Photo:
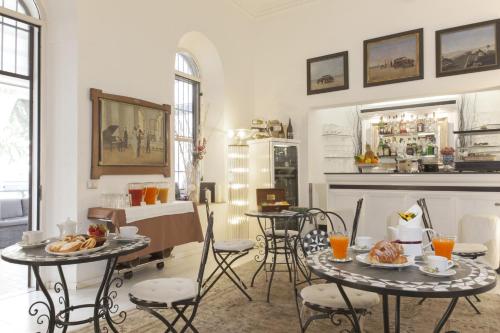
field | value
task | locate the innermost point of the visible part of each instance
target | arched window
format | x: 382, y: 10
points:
x: 25, y: 7
x: 186, y: 117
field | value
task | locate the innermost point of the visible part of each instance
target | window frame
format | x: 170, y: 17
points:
x: 196, y: 82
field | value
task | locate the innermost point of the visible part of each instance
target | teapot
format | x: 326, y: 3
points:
x: 410, y: 237
x: 69, y: 227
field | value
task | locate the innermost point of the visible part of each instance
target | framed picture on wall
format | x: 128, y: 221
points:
x: 328, y: 73
x: 129, y: 136
x: 394, y: 58
x: 468, y: 49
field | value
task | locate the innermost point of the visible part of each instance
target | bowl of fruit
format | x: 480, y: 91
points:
x: 98, y: 231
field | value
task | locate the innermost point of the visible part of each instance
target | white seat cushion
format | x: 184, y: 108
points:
x: 328, y: 296
x: 281, y: 233
x: 167, y: 290
x: 235, y: 245
x: 466, y: 248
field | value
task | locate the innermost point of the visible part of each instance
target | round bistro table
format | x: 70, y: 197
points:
x: 270, y: 240
x: 472, y: 278
x: 104, y: 306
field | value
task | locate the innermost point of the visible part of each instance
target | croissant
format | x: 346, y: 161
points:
x: 384, y: 252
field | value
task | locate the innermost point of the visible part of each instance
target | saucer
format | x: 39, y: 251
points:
x: 357, y: 248
x: 32, y: 246
x: 447, y: 273
x: 121, y: 238
x: 348, y: 259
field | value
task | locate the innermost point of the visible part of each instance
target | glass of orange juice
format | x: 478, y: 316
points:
x: 339, y: 241
x: 151, y: 193
x: 443, y: 245
x: 163, y: 192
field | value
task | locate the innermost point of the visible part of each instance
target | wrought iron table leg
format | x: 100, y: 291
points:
x: 397, y: 314
x: 273, y: 267
x: 385, y: 306
x: 266, y: 252
x: 476, y: 298
x: 355, y: 321
x: 63, y: 300
x: 104, y: 301
x: 51, y: 316
x: 446, y: 315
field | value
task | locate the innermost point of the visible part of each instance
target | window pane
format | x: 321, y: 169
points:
x: 9, y: 47
x: 22, y: 52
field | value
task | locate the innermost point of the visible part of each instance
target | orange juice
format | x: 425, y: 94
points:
x: 151, y: 195
x: 339, y: 244
x: 163, y: 195
x: 443, y: 246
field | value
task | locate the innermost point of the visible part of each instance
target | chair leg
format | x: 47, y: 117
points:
x: 421, y: 301
x: 472, y: 305
x: 170, y: 327
x: 189, y: 322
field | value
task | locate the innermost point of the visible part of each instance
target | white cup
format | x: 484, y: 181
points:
x: 439, y: 264
x: 33, y: 237
x: 364, y: 242
x: 129, y: 231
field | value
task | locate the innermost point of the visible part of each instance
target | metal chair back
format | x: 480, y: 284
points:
x: 317, y: 215
x: 355, y: 222
x: 204, y: 254
x: 426, y: 218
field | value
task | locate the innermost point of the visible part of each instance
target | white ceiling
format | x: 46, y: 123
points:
x: 259, y: 8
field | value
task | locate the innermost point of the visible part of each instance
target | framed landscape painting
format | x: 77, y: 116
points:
x: 129, y: 136
x: 468, y: 49
x: 328, y: 73
x: 394, y: 58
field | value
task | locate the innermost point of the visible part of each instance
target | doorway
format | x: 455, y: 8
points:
x: 19, y: 142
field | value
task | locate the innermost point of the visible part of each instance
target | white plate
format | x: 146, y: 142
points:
x: 356, y: 248
x: 447, y: 273
x: 32, y: 246
x: 363, y: 258
x: 77, y: 253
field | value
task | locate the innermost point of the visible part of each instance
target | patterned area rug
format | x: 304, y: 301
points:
x: 225, y: 309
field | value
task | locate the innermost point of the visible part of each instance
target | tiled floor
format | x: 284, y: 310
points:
x: 14, y: 306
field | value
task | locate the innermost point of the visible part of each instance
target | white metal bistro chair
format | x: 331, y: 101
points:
x: 226, y: 253
x: 178, y: 294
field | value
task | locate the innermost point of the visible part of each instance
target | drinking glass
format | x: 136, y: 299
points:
x: 443, y: 245
x: 339, y: 241
x: 136, y: 193
x: 151, y: 193
x: 163, y: 192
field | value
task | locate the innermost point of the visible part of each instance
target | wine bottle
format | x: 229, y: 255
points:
x: 289, y: 129
x: 281, y: 133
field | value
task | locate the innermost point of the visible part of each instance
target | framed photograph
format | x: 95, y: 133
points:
x: 129, y: 136
x: 468, y: 49
x: 394, y: 58
x: 328, y: 73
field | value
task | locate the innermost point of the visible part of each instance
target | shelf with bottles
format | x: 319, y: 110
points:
x: 417, y: 134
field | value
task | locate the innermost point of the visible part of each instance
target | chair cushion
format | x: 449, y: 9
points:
x: 469, y: 248
x: 14, y: 221
x: 281, y: 232
x: 166, y: 290
x: 10, y: 208
x: 328, y: 296
x: 235, y: 245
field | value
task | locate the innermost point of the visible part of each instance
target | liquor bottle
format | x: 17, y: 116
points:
x: 380, y: 148
x: 281, y: 133
x: 409, y: 149
x: 387, y: 149
x: 420, y: 125
x: 394, y: 147
x: 289, y: 129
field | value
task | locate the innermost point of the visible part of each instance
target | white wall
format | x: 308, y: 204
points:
x: 127, y: 49
x: 285, y: 40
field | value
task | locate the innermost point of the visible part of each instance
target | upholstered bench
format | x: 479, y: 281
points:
x: 13, y: 220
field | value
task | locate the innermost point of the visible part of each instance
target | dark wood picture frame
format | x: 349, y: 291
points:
x: 97, y: 170
x: 440, y: 33
x: 420, y: 56
x: 345, y: 57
